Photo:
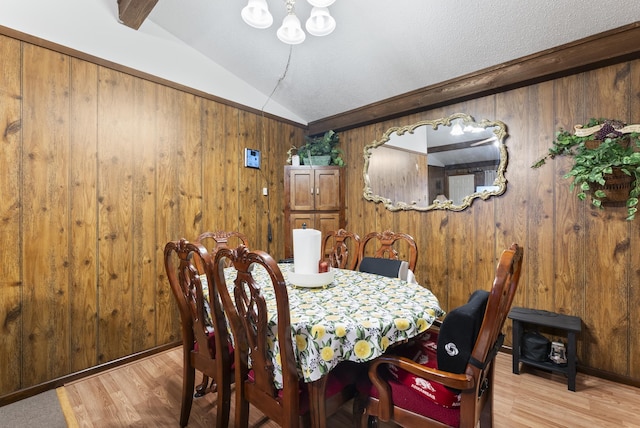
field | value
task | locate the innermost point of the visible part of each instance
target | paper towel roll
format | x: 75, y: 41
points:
x: 306, y: 250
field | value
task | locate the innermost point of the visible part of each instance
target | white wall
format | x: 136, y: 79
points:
x: 92, y: 26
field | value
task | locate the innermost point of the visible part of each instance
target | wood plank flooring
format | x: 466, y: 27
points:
x: 146, y: 393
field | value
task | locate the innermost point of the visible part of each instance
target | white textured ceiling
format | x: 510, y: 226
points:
x: 381, y: 49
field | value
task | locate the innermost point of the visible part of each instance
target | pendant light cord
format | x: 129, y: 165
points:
x: 286, y: 69
x: 284, y: 74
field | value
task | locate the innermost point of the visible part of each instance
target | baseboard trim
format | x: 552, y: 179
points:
x: 58, y: 382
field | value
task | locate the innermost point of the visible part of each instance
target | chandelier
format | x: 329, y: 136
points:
x: 320, y: 22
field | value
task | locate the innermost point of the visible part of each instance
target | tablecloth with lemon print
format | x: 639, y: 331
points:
x: 356, y: 318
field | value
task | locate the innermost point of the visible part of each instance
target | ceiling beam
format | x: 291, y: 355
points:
x: 132, y: 13
x: 458, y: 146
x: 610, y: 47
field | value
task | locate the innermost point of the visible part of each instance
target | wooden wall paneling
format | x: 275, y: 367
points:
x: 433, y: 249
x: 352, y: 144
x: 570, y: 239
x: 461, y: 256
x: 278, y: 139
x: 250, y: 193
x: 634, y: 248
x: 187, y: 131
x: 214, y: 167
x: 606, y: 286
x: 83, y: 293
x: 168, y: 226
x: 145, y: 262
x: 115, y: 195
x: 511, y: 227
x: 540, y: 242
x: 11, y: 284
x: 233, y: 157
x: 356, y: 210
x: 45, y: 215
x: 266, y: 138
x: 288, y: 135
x: 182, y: 130
x: 511, y: 108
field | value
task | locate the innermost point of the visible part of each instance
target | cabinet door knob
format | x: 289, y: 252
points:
x: 317, y: 190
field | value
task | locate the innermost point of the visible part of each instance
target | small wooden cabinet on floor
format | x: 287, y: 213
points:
x: 313, y: 195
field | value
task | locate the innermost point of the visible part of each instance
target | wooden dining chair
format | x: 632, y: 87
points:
x: 387, y: 245
x: 449, y: 381
x: 254, y: 368
x: 342, y: 248
x: 205, y: 337
x: 213, y: 241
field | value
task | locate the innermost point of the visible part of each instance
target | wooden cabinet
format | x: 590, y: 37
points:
x: 313, y: 195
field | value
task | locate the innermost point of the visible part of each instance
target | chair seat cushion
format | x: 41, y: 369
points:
x: 405, y: 397
x: 459, y: 332
x: 424, y: 352
x: 342, y: 377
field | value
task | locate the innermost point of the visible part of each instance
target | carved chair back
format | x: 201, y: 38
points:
x: 205, y: 334
x: 387, y: 244
x: 342, y: 248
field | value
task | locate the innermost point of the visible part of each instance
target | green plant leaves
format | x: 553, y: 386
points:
x: 323, y: 145
x: 592, y: 161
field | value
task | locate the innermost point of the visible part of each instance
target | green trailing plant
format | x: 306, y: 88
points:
x: 598, y: 148
x: 323, y: 145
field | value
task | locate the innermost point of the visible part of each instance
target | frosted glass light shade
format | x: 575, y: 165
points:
x: 320, y: 23
x: 256, y: 14
x: 291, y: 32
x: 321, y: 3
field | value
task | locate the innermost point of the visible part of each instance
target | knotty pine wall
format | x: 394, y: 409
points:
x: 577, y: 260
x: 99, y: 170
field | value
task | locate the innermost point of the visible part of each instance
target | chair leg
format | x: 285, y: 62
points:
x: 241, y: 406
x: 205, y: 387
x: 486, y: 416
x: 223, y: 405
x: 188, y: 382
x: 361, y: 419
x: 202, y: 388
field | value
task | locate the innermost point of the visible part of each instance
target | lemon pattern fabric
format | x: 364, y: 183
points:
x: 356, y: 318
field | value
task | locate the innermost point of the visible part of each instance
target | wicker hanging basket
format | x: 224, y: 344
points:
x: 617, y: 187
x: 624, y: 141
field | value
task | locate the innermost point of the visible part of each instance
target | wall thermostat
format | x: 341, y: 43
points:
x: 252, y: 158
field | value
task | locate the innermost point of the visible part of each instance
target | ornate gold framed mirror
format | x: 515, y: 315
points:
x: 436, y: 164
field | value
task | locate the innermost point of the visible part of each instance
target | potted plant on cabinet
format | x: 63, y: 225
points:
x: 321, y: 150
x: 606, y: 155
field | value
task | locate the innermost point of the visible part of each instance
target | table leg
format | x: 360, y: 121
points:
x: 517, y: 338
x: 317, y: 402
x: 571, y: 360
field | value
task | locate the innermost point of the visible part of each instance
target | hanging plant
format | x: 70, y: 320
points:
x: 606, y: 166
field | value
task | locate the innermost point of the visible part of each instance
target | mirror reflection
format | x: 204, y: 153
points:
x: 436, y: 164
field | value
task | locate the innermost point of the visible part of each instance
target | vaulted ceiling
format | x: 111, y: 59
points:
x: 379, y: 49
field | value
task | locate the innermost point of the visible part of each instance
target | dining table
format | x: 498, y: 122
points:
x: 356, y: 317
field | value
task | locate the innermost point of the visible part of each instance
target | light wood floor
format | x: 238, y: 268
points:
x: 147, y: 394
